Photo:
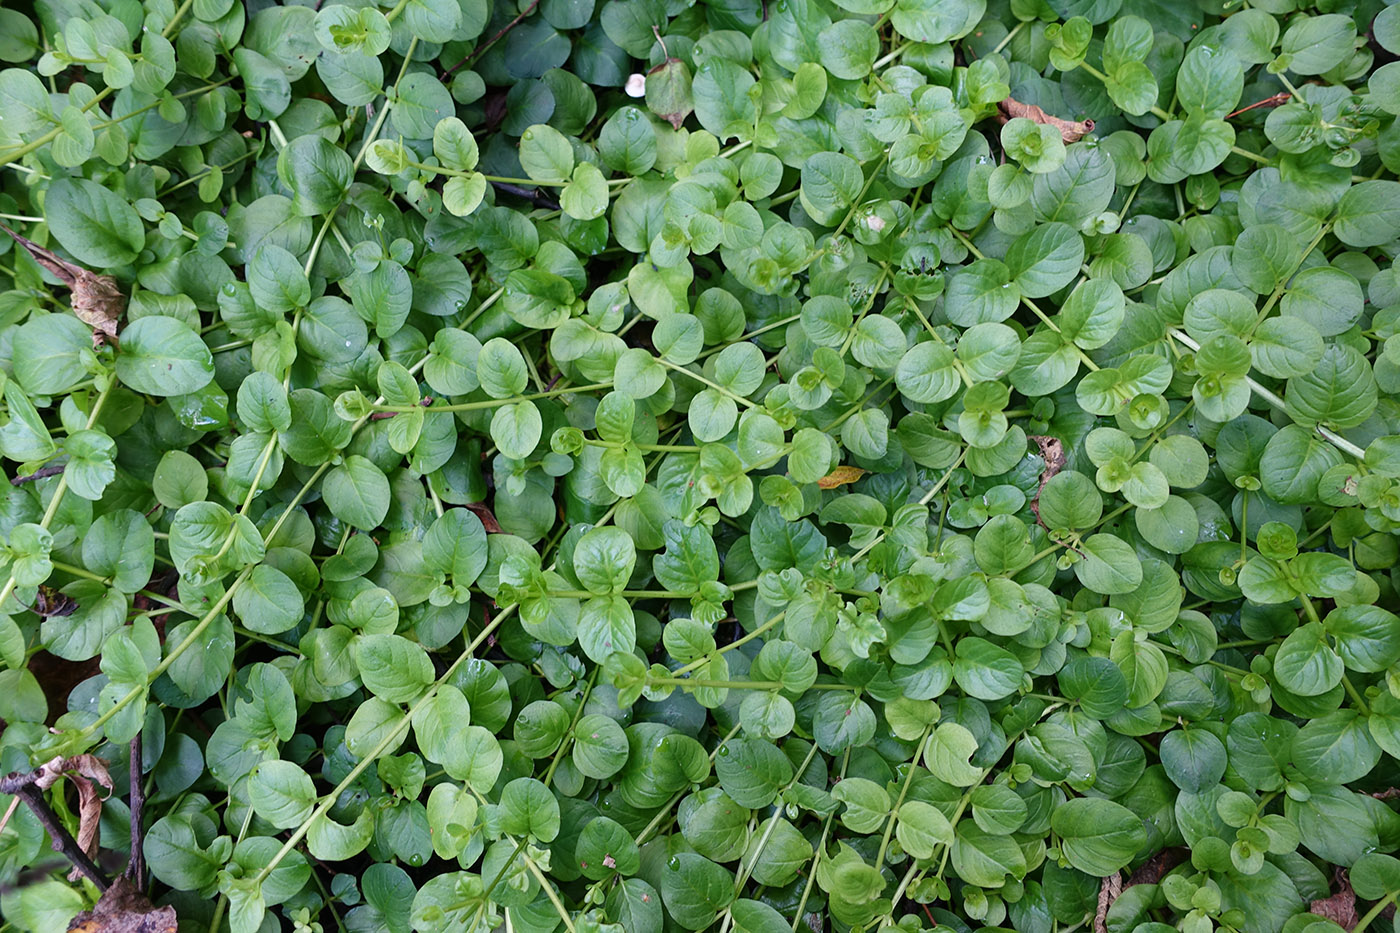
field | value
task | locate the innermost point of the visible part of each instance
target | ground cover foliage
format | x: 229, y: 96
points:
x: 639, y: 466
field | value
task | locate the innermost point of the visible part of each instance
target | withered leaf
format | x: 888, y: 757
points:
x: 488, y: 518
x: 840, y: 477
x: 87, y: 772
x: 1340, y: 908
x: 1052, y: 451
x: 124, y: 909
x: 1070, y: 130
x: 668, y: 91
x: 96, y: 299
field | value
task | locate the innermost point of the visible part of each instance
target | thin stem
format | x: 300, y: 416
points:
x: 925, y: 499
x: 495, y: 402
x: 882, y: 62
x: 481, y: 49
x: 903, y: 792
x: 1373, y: 913
x: 62, y: 486
x: 701, y: 379
x: 550, y: 893
x: 1332, y: 437
x: 661, y: 814
x: 1006, y: 40
x: 24, y: 788
x: 392, y: 737
x: 820, y: 851
x: 136, y: 868
x: 696, y: 665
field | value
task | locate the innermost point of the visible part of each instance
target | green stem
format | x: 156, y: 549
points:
x: 739, y: 399
x: 1006, y: 40
x: 1278, y: 291
x: 820, y: 851
x: 550, y: 893
x: 882, y: 62
x: 626, y: 594
x: 1332, y: 437
x: 76, y: 571
x: 569, y: 736
x: 1373, y: 913
x: 903, y: 792
x: 925, y: 499
x: 170, y: 658
x: 696, y: 665
x: 359, y: 159
x: 62, y: 487
x: 737, y: 684
x: 495, y: 402
x: 391, y: 738
x: 855, y: 206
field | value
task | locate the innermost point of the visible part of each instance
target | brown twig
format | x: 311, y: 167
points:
x: 481, y: 49
x: 23, y: 787
x: 532, y: 195
x: 136, y: 868
x: 1276, y: 100
x: 52, y: 469
x: 1109, y: 890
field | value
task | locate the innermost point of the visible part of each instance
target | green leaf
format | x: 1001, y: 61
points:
x: 93, y: 224
x: 357, y: 492
x: 1098, y: 836
x: 268, y: 601
x: 281, y: 793
x: 163, y: 356
x: 1369, y: 214
x: 392, y: 667
x: 545, y: 154
x: 946, y: 753
x: 695, y: 889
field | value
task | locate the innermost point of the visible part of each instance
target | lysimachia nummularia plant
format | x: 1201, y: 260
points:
x: 636, y: 466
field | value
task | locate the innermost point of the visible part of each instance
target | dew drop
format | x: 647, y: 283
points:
x: 230, y: 288
x: 673, y: 863
x: 724, y: 751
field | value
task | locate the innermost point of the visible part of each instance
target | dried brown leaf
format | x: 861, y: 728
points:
x: 96, y: 299
x: 1070, y: 130
x: 840, y: 476
x: 488, y: 518
x: 124, y: 909
x: 1154, y: 869
x: 1340, y: 908
x: 88, y: 773
x: 1052, y: 451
